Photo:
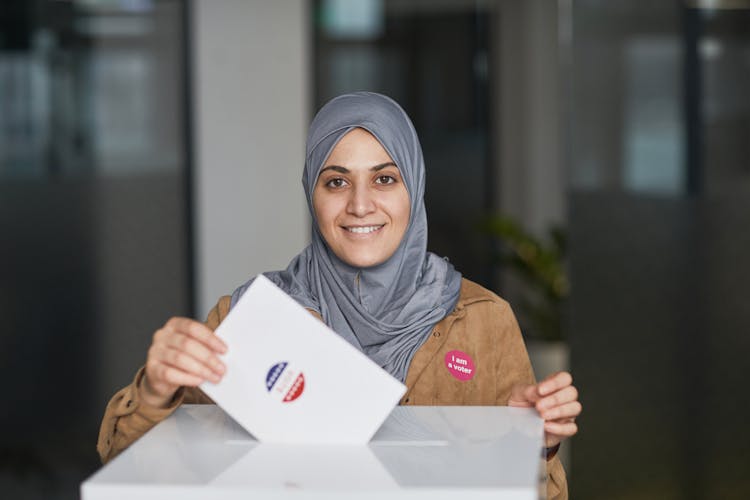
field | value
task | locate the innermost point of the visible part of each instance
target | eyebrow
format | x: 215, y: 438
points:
x: 344, y: 170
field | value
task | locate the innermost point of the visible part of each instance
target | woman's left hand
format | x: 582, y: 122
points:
x: 556, y: 400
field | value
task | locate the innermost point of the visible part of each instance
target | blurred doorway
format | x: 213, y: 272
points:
x: 433, y: 59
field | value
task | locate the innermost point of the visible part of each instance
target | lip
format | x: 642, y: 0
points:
x: 358, y: 234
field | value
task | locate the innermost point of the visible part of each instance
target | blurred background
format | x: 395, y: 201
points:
x: 589, y: 160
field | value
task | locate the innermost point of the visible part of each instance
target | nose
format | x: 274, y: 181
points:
x: 361, y: 202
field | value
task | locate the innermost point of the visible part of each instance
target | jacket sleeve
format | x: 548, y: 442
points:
x: 557, y: 483
x: 127, y: 417
x: 515, y: 368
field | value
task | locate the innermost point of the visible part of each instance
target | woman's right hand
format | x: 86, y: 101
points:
x: 184, y: 352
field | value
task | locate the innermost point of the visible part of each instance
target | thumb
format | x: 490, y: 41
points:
x: 523, y: 396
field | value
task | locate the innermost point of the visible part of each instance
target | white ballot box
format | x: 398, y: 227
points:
x: 425, y: 452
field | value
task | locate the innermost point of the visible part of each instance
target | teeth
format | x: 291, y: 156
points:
x: 362, y: 230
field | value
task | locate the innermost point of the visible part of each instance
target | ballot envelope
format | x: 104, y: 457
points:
x: 290, y: 379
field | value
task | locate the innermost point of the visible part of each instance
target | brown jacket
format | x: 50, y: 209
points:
x: 481, y: 326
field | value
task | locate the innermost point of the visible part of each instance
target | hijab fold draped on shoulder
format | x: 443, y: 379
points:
x: 389, y: 310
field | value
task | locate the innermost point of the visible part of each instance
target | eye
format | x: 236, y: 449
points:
x: 385, y: 179
x: 336, y: 182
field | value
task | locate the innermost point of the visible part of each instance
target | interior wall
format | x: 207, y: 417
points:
x: 251, y: 112
x: 530, y: 179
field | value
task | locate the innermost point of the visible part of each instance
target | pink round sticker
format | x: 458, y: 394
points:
x: 460, y: 365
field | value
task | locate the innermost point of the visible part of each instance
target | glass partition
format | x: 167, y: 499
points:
x: 95, y: 250
x: 659, y: 192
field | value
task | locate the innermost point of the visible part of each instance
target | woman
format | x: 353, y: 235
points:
x: 367, y: 275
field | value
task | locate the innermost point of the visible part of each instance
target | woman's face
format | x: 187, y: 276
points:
x: 360, y: 201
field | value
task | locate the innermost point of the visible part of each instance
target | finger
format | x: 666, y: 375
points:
x: 156, y: 370
x: 161, y: 335
x: 197, y: 350
x: 198, y: 331
x: 567, y: 410
x: 523, y: 395
x: 555, y: 382
x: 566, y: 429
x: 559, y: 398
x: 176, y: 377
x: 188, y: 364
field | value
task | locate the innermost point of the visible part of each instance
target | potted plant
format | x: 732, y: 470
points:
x: 538, y: 264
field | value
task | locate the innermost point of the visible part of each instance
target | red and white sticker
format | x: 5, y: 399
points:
x: 460, y: 365
x: 284, y: 382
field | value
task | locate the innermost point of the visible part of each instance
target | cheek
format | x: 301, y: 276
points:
x: 325, y: 212
x: 404, y: 209
x: 318, y: 206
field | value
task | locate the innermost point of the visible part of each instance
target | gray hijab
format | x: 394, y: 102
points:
x: 391, y: 309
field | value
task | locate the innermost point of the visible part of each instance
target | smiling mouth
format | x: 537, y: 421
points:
x: 363, y: 229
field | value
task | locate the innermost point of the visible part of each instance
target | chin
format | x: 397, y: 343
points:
x: 364, y: 261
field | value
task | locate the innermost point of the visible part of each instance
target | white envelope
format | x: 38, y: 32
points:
x: 290, y: 379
